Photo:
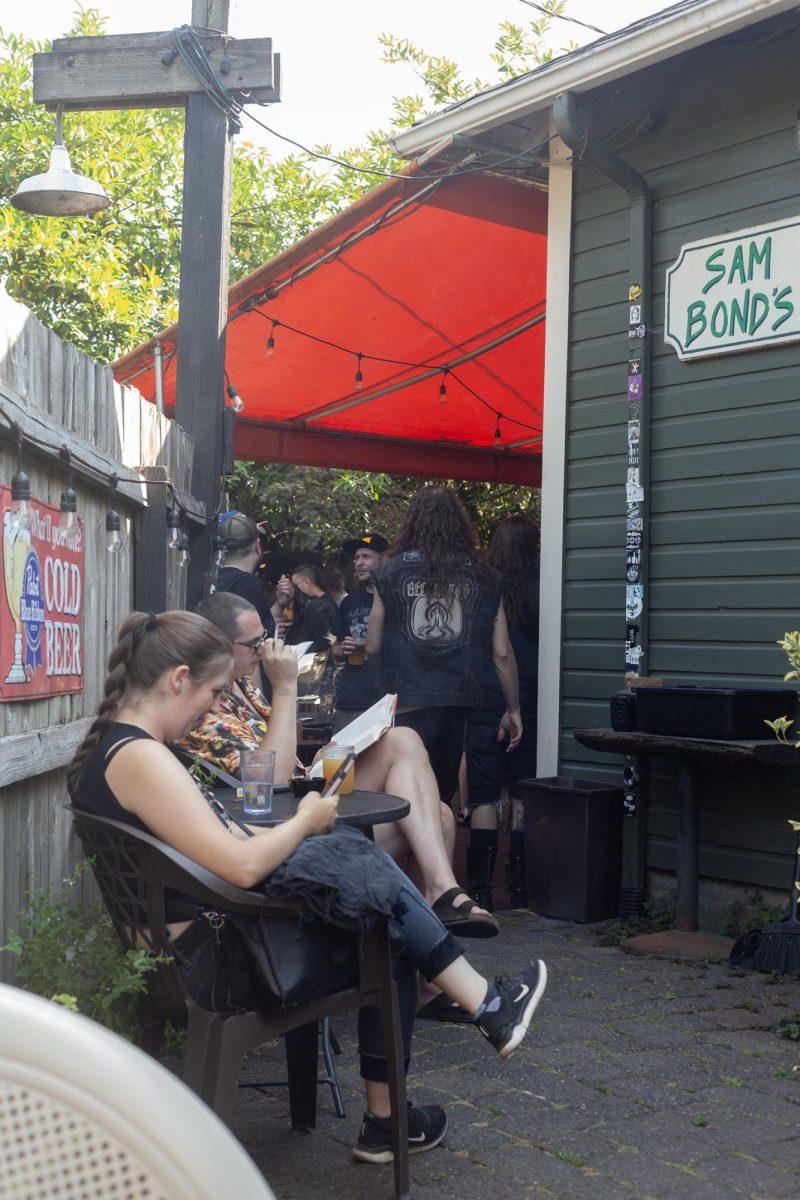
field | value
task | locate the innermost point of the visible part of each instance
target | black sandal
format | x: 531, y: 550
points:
x: 460, y: 919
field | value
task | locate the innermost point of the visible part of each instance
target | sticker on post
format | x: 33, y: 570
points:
x: 633, y: 488
x: 634, y: 366
x: 629, y: 803
x: 633, y: 541
x: 632, y: 656
x: 632, y: 512
x: 634, y: 431
x: 634, y: 600
x: 634, y: 293
x: 630, y: 776
x: 636, y: 314
x: 638, y: 332
x: 635, y: 386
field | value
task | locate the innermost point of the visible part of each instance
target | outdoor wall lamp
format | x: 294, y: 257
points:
x: 59, y: 192
x: 19, y: 513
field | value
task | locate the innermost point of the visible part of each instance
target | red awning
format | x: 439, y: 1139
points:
x: 446, y: 274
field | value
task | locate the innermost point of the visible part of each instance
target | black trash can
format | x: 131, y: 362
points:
x: 573, y: 835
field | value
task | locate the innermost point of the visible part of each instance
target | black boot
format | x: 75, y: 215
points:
x: 515, y: 870
x: 481, y: 856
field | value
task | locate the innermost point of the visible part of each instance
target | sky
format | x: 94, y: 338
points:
x: 335, y: 86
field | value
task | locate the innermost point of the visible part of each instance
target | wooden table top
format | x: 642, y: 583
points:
x: 758, y: 752
x: 358, y: 808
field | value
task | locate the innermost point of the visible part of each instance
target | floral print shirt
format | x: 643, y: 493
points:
x: 235, y: 726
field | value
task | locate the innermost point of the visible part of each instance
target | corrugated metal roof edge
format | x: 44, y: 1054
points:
x: 653, y: 39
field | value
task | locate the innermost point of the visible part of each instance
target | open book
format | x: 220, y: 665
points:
x: 364, y: 731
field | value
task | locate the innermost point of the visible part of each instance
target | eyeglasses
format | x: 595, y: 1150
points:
x: 254, y: 645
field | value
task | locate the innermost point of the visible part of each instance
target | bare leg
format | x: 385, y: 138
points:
x: 448, y: 831
x: 484, y: 816
x: 399, y: 764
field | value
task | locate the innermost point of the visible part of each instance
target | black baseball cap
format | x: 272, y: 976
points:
x: 367, y: 541
x: 237, y: 532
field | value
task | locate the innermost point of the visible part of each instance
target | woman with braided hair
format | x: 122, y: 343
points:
x: 164, y: 673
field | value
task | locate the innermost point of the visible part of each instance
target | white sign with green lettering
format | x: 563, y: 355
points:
x: 736, y: 292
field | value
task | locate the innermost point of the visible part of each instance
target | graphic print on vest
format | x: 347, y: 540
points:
x: 436, y: 623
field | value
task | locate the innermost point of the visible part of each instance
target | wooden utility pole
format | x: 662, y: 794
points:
x: 144, y: 71
x: 203, y: 301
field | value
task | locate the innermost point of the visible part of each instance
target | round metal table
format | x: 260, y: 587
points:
x: 361, y: 809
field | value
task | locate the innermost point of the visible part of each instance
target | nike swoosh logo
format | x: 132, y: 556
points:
x: 419, y: 1138
x: 523, y: 993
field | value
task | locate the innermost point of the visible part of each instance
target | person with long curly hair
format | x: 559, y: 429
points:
x: 491, y: 765
x: 438, y: 626
x: 163, y: 674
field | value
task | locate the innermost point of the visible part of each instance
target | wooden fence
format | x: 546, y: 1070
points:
x: 58, y: 396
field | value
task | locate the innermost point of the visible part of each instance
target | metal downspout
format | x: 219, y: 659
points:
x: 638, y: 337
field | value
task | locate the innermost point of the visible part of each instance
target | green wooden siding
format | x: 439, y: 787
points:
x: 725, y: 484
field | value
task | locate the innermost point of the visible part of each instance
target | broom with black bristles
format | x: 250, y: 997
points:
x: 774, y: 949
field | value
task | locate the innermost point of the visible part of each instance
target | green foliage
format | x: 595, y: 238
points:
x: 315, y: 509
x: 75, y: 958
x: 789, y: 1026
x: 657, y: 916
x: 790, y: 643
x: 751, y: 913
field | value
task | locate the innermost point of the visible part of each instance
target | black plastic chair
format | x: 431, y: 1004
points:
x: 132, y: 869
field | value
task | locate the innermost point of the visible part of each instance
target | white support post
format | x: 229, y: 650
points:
x: 559, y: 249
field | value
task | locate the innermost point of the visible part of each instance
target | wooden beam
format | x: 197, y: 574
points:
x: 141, y: 70
x: 24, y: 755
x: 260, y: 441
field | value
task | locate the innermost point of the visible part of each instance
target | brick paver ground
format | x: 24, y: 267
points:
x: 640, y: 1079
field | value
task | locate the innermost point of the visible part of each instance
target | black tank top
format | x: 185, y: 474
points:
x: 94, y: 795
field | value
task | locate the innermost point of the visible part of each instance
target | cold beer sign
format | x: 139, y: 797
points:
x: 41, y: 613
x: 737, y: 292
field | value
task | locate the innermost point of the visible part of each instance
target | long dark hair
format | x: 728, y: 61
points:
x: 436, y: 524
x: 147, y: 646
x: 514, y: 552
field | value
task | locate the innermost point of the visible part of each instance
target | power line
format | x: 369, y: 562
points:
x: 193, y: 54
x: 560, y: 17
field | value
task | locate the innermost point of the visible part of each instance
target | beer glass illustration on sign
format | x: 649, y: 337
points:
x: 16, y: 547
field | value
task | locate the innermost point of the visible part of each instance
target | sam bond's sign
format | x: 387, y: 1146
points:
x: 740, y: 291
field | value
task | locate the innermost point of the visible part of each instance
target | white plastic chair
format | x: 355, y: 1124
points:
x: 85, y: 1114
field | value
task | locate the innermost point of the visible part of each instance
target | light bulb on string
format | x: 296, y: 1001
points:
x: 113, y: 533
x: 19, y: 512
x: 183, y: 553
x: 443, y: 388
x: 497, y: 432
x: 235, y: 401
x: 173, y: 538
x: 68, y: 519
x: 218, y: 551
x: 359, y: 373
x: 271, y: 338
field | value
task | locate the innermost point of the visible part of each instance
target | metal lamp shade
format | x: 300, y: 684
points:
x: 59, y: 192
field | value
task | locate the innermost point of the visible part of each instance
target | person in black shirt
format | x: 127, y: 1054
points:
x: 239, y: 537
x: 358, y: 686
x: 320, y: 612
x: 491, y: 762
x: 437, y: 623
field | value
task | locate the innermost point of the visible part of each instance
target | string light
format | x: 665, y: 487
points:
x: 271, y: 338
x: 497, y: 431
x: 113, y: 533
x: 361, y: 356
x: 68, y: 520
x: 173, y: 538
x: 20, y: 509
x: 359, y: 373
x: 236, y: 401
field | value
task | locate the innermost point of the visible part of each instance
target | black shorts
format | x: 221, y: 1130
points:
x: 442, y: 733
x: 489, y: 767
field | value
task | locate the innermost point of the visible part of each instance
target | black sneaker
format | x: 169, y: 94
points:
x: 510, y: 1008
x: 427, y: 1126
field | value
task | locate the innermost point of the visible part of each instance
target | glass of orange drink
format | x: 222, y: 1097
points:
x: 332, y: 759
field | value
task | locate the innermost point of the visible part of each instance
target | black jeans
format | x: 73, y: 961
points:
x: 442, y: 733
